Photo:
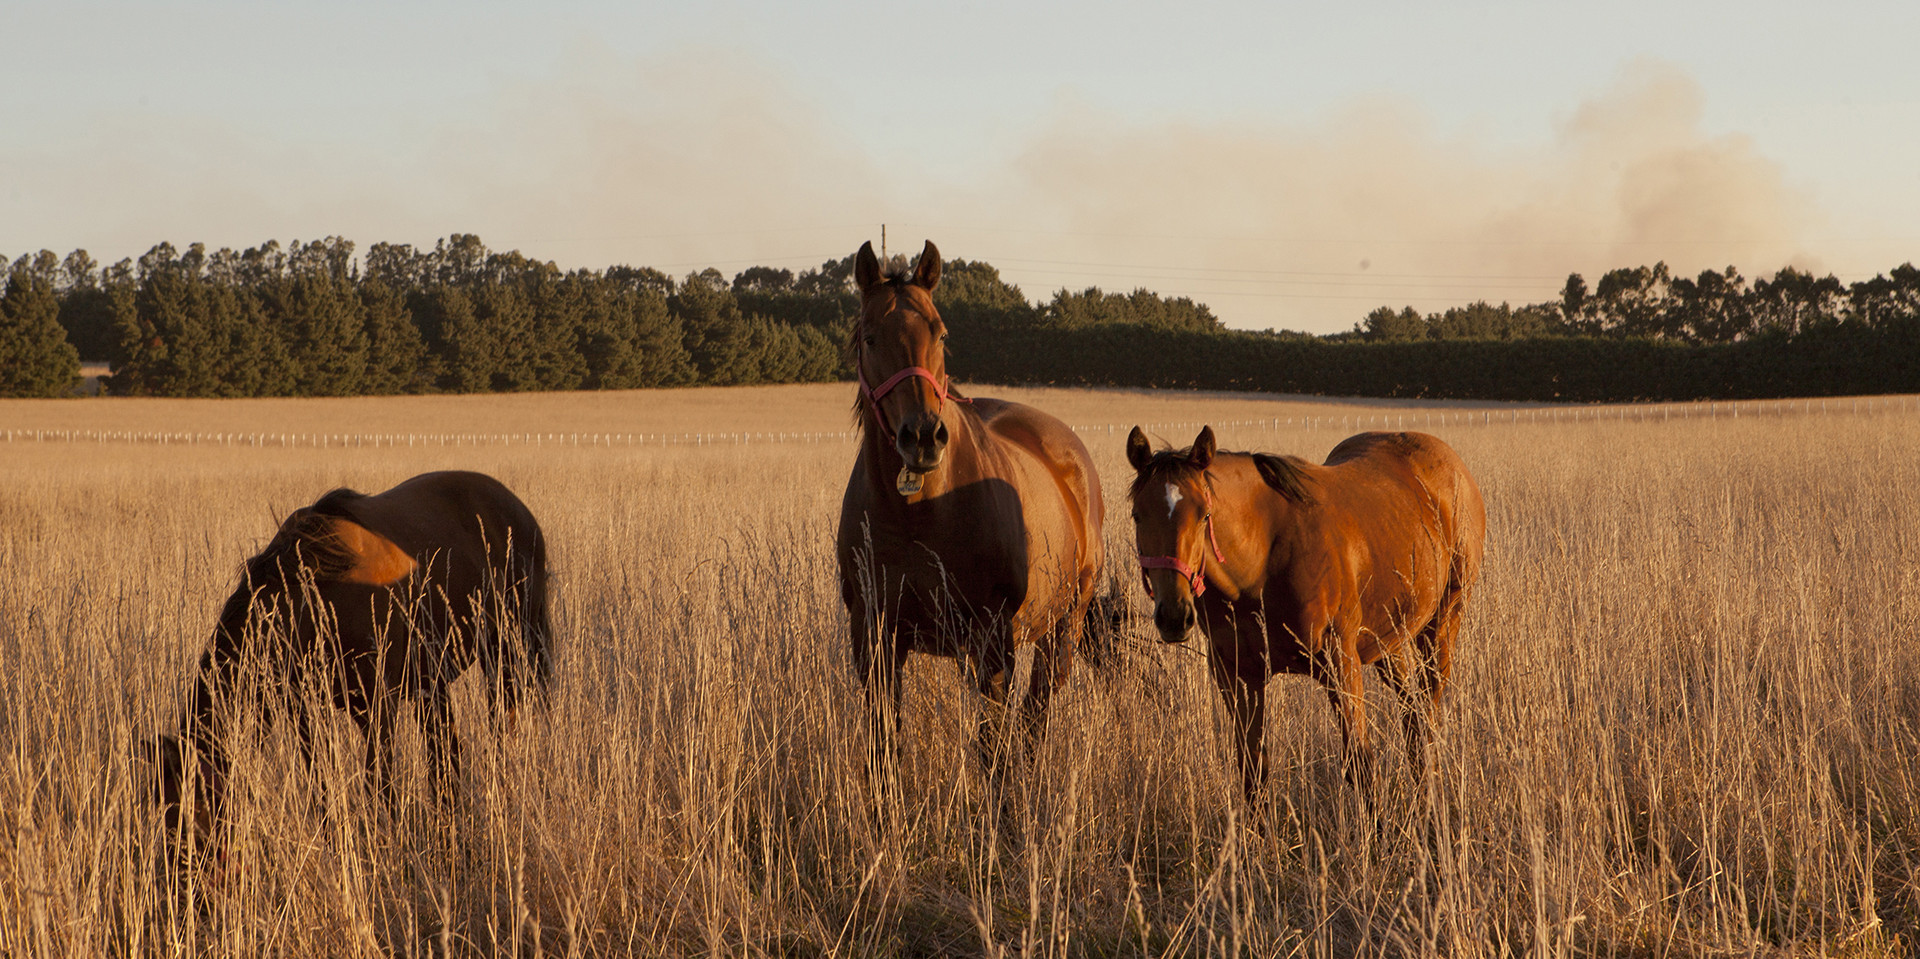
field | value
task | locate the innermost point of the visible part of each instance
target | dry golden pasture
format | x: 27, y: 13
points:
x: 1684, y: 719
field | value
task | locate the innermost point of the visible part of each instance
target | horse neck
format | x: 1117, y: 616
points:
x: 215, y: 678
x: 220, y: 664
x: 1248, y: 518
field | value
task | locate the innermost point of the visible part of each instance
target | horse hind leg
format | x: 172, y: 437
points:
x: 519, y: 669
x: 1044, y: 673
x: 993, y: 677
x: 1346, y: 691
x: 1437, y: 642
x: 1405, y: 670
x: 442, y: 741
x: 1431, y: 669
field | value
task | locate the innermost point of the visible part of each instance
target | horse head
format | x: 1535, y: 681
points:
x: 1173, y: 525
x: 900, y: 355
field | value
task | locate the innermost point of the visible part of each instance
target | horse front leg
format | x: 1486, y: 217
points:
x: 878, y: 664
x: 376, y: 722
x: 1246, y: 699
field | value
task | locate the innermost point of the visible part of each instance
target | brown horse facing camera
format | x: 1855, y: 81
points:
x: 371, y: 600
x: 1288, y: 567
x: 969, y: 529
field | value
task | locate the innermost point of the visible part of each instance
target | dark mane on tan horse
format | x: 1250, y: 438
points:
x: 970, y: 527
x: 372, y: 601
x: 1286, y: 474
x: 1289, y: 567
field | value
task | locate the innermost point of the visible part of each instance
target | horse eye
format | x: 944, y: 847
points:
x: 866, y: 340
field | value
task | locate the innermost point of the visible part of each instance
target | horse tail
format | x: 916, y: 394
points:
x: 539, y: 622
x: 524, y: 670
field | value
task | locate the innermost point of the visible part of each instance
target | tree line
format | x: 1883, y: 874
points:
x: 1652, y: 303
x: 314, y: 319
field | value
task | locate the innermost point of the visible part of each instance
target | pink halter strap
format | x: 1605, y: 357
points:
x: 873, y: 394
x: 1195, y: 576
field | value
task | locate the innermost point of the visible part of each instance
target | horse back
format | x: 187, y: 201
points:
x: 470, y: 517
x: 1396, y: 525
x: 455, y: 540
x: 1415, y: 479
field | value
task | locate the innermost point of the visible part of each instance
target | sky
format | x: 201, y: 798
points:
x: 1290, y: 166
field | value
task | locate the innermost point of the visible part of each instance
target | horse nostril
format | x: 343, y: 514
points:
x: 904, y: 436
x: 940, y: 434
x: 1174, y: 621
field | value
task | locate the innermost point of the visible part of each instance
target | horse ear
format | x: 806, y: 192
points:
x: 1203, y: 449
x: 926, y: 275
x: 866, y: 268
x: 1139, y: 451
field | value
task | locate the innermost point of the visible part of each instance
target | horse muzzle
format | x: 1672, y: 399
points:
x: 1175, y: 619
x: 922, y: 442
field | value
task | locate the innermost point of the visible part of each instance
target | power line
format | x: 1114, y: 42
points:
x: 1260, y: 272
x: 1462, y: 284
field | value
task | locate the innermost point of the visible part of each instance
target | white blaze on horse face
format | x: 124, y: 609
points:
x: 1173, y: 499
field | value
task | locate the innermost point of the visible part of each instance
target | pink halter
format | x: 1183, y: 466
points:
x: 1195, y: 577
x: 874, y: 394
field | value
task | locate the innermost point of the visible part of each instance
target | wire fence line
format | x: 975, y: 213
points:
x: 1410, y: 419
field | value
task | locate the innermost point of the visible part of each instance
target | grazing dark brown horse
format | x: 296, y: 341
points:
x: 373, y: 600
x: 1321, y: 570
x: 970, y: 528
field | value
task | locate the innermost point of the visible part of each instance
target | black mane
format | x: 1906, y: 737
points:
x: 306, y: 538
x: 1285, y: 474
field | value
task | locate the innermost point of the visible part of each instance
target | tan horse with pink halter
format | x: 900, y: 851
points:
x: 1288, y: 567
x: 969, y: 529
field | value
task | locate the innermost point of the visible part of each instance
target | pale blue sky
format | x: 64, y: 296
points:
x: 1292, y: 167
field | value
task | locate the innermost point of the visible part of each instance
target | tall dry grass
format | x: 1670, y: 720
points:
x: 1683, y: 724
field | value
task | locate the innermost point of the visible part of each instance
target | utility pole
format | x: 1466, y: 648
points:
x: 883, y: 243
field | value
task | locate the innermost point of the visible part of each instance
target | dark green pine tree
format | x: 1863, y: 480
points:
x: 186, y: 333
x: 718, y: 336
x: 464, y: 349
x: 86, y: 307
x: 397, y: 360
x: 990, y: 324
x: 635, y: 341
x: 315, y: 309
x: 628, y: 336
x: 1094, y: 307
x: 505, y: 312
x: 659, y: 341
x: 35, y: 357
x: 551, y: 354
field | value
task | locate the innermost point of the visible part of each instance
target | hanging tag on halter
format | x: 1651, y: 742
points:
x: 908, y: 483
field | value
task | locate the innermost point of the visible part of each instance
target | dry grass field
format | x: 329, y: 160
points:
x: 1684, y: 720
